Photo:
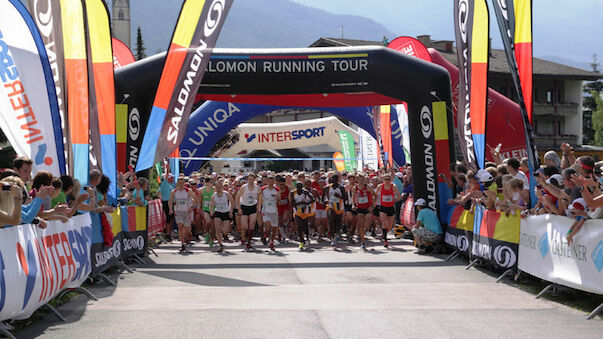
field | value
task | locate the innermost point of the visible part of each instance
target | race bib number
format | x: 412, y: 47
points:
x: 206, y: 204
x: 363, y: 200
x: 269, y: 203
x: 284, y: 201
x: 180, y: 202
x: 250, y: 201
x: 334, y: 199
x: 388, y: 198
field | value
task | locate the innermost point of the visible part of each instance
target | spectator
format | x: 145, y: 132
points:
x: 11, y: 200
x: 428, y: 230
x: 66, y: 187
x: 23, y: 165
x: 138, y: 195
x: 551, y: 158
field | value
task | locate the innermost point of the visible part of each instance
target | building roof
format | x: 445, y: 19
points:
x: 498, y: 60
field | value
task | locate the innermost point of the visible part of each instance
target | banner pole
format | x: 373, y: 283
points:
x: 595, y: 312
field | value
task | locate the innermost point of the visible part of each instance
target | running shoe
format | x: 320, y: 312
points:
x: 272, y: 246
x: 221, y: 249
x: 211, y: 243
x: 333, y: 242
x: 301, y: 246
x: 264, y: 241
x: 373, y: 234
x: 182, y: 249
x: 249, y: 248
x: 362, y: 246
x: 386, y: 245
x: 206, y: 238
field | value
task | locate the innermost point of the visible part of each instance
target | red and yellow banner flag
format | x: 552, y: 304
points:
x: 472, y: 24
x: 523, y: 49
x: 102, y: 88
x: 76, y: 70
x: 194, y: 38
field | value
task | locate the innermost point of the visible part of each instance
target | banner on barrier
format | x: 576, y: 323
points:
x: 496, y: 237
x: 459, y: 233
x: 117, y: 235
x: 36, y: 264
x: 544, y: 252
x: 407, y: 214
x: 156, y: 218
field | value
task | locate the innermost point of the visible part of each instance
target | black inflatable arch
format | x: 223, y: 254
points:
x: 324, y: 77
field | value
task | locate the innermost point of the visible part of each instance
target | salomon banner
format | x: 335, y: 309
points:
x: 496, y: 237
x: 545, y: 253
x: 459, y: 233
x: 30, y: 116
x: 501, y: 112
x: 505, y: 15
x: 472, y: 24
x: 47, y: 15
x: 122, y: 56
x: 369, y: 150
x: 117, y: 235
x: 102, y: 86
x: 196, y: 34
x: 37, y: 264
x: 76, y: 69
x: 348, y: 149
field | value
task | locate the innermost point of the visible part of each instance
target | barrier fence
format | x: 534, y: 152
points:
x: 37, y: 264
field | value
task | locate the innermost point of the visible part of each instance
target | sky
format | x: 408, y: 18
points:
x: 568, y: 29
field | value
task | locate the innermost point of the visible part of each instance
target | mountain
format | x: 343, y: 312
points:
x: 254, y: 23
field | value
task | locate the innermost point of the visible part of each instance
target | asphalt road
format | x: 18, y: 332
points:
x: 321, y: 293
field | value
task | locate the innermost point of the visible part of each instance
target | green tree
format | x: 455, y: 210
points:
x: 589, y: 102
x: 597, y: 118
x: 140, y: 54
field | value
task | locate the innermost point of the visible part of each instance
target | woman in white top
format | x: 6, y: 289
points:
x: 246, y: 201
x: 220, y: 207
x: 181, y: 205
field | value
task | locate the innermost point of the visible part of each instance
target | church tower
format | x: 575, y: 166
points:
x: 121, y: 21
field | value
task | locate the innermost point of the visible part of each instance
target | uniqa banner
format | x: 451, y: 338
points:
x: 30, y: 116
x: 348, y: 149
x: 117, y: 235
x: 496, y: 237
x: 36, y: 264
x: 545, y: 253
x: 192, y: 44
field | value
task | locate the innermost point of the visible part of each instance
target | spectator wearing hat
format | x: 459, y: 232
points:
x: 428, y: 230
x: 579, y: 212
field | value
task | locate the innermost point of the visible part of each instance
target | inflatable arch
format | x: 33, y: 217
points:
x: 324, y: 77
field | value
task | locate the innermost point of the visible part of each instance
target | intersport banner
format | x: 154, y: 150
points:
x: 348, y: 149
x: 544, y: 252
x: 195, y: 36
x: 472, y: 23
x: 30, y: 115
x: 76, y: 69
x: 102, y: 88
x: 37, y: 264
x: 47, y: 15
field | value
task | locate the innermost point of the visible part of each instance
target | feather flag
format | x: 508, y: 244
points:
x: 194, y: 38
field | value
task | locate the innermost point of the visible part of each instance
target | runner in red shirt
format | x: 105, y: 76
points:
x: 284, y: 207
x: 387, y: 195
x: 363, y: 197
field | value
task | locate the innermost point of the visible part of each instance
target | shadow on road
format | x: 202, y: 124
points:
x: 202, y: 279
x: 302, y: 265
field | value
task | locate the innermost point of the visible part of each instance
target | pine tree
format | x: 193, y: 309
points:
x: 140, y: 54
x: 592, y: 91
x: 597, y: 118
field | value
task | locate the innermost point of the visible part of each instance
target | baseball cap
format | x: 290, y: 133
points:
x: 578, y: 204
x: 555, y: 179
x: 399, y: 175
x: 484, y: 176
x: 420, y: 202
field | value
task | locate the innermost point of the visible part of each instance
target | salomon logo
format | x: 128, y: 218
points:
x: 250, y: 137
x: 598, y: 256
x: 504, y: 256
x: 543, y: 244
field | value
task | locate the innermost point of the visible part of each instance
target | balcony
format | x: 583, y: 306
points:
x: 547, y: 142
x: 549, y: 109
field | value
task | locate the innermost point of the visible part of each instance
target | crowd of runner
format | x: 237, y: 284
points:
x: 319, y: 206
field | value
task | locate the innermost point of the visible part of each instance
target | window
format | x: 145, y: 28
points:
x: 550, y: 94
x: 120, y: 15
